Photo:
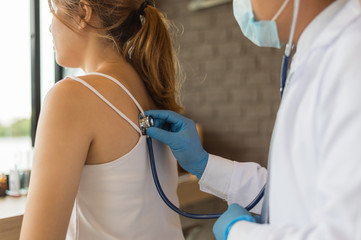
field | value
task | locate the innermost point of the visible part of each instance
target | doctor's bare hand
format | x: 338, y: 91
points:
x: 180, y: 133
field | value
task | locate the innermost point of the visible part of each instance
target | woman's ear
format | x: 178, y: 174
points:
x: 85, y: 14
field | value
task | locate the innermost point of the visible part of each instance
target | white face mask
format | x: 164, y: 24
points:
x: 261, y: 33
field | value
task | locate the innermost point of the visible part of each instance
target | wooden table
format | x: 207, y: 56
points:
x: 11, y: 215
x: 188, y: 191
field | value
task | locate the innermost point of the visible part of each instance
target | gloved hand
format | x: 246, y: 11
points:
x: 224, y: 223
x: 180, y: 133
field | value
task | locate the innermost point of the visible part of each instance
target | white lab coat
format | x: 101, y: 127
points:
x: 315, y: 153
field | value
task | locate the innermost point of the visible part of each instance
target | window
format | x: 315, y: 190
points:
x: 15, y: 88
x: 47, y: 53
x: 17, y: 77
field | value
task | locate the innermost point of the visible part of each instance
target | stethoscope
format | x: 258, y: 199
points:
x: 147, y: 122
x: 288, y: 49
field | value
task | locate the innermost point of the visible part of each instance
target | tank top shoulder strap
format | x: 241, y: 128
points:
x: 109, y: 103
x: 122, y: 86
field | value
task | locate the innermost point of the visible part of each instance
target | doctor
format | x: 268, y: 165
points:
x: 314, y: 181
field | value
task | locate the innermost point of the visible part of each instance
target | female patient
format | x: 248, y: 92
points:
x: 91, y: 177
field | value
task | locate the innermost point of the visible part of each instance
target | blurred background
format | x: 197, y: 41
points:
x: 231, y: 89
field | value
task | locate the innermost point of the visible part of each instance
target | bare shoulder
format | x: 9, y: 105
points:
x: 67, y: 92
x: 68, y: 100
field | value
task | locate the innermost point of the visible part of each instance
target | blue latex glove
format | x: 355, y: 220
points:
x: 180, y: 133
x: 224, y: 223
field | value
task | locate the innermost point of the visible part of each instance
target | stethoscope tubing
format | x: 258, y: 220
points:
x: 284, y: 72
x: 175, y: 208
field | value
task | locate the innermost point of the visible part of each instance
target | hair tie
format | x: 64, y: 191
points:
x: 144, y: 5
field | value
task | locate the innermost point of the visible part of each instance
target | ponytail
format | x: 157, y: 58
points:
x: 140, y: 33
x: 151, y: 53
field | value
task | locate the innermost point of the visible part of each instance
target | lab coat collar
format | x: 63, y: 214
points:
x: 325, y: 28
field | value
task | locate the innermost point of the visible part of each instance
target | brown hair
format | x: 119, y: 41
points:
x: 143, y: 38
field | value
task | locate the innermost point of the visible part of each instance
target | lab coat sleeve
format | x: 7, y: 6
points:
x: 232, y: 181
x: 338, y: 212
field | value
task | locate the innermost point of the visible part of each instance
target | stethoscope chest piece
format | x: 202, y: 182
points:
x: 145, y: 123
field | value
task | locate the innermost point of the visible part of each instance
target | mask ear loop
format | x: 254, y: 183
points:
x: 280, y: 10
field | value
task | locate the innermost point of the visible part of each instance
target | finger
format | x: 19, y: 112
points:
x: 159, y: 123
x: 166, y: 115
x: 160, y: 134
x: 237, y: 210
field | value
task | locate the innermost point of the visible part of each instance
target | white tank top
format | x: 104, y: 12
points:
x: 118, y: 200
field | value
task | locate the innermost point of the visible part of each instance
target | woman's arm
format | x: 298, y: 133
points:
x: 62, y: 142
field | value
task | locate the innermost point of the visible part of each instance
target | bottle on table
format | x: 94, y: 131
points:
x: 3, y: 185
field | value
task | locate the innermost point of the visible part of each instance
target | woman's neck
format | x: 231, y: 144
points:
x: 99, y: 56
